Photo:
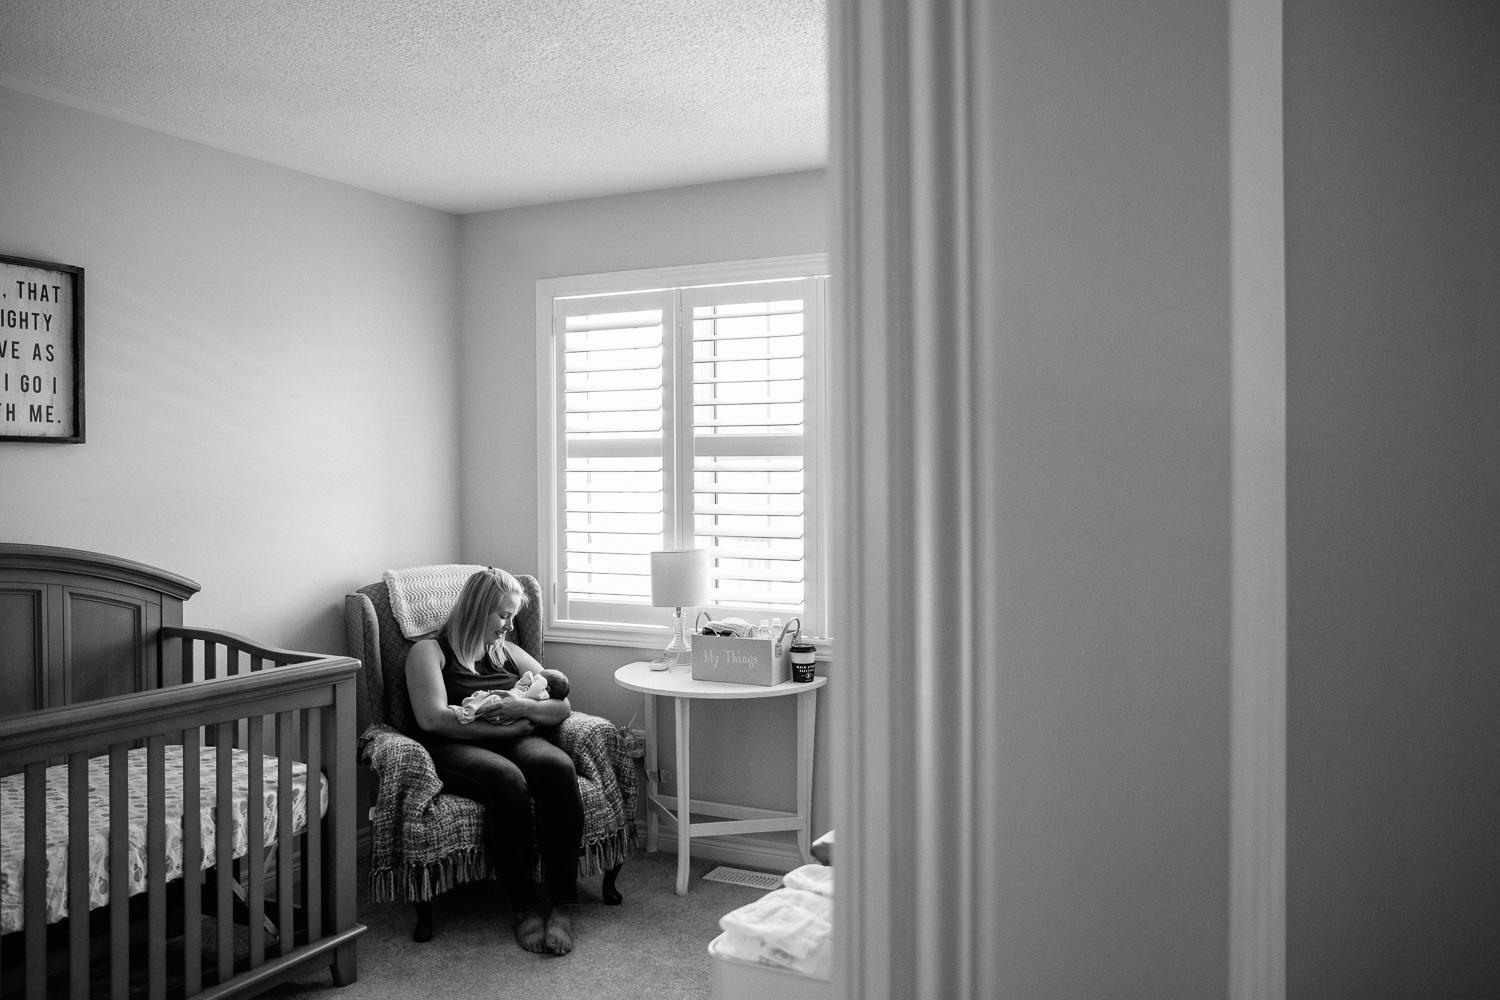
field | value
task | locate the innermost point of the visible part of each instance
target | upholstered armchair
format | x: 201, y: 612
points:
x: 425, y: 841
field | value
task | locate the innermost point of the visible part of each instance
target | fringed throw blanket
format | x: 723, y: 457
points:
x: 423, y: 843
x: 606, y: 783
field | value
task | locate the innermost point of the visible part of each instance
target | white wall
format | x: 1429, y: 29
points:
x: 270, y: 364
x: 1393, y: 442
x: 504, y: 253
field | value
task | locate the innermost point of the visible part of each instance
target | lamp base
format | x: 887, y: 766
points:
x: 678, y: 656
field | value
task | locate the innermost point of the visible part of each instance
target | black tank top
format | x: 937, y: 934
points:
x: 460, y: 682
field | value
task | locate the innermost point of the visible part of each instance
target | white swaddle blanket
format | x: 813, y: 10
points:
x: 791, y: 928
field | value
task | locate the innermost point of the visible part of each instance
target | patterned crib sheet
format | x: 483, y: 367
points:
x: 13, y: 824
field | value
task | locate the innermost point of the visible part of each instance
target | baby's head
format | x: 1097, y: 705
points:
x: 557, y: 683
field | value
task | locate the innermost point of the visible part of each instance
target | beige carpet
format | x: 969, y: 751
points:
x: 653, y: 945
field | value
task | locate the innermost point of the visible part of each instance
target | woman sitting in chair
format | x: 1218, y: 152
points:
x: 500, y: 759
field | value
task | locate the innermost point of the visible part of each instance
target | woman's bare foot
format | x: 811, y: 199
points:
x: 532, y: 932
x: 560, y: 931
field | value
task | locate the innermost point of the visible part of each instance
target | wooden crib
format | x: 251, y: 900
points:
x: 98, y: 674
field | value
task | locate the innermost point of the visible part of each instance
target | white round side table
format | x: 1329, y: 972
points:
x: 682, y: 689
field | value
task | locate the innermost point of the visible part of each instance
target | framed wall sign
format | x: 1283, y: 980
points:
x: 41, y: 351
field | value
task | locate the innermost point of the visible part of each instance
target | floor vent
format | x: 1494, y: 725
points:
x: 739, y: 876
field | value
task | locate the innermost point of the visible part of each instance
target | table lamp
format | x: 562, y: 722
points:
x: 679, y: 579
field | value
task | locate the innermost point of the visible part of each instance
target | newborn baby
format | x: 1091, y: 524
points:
x: 542, y: 685
x: 536, y: 686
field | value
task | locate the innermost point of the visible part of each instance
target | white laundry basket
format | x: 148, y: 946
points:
x: 737, y: 979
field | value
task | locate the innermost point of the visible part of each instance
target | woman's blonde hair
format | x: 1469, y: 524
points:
x: 481, y: 597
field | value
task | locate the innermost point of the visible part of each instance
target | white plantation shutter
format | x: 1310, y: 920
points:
x: 616, y: 430
x: 748, y: 380
x: 684, y: 417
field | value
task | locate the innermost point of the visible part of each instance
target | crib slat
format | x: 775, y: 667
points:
x: 119, y: 871
x: 312, y: 849
x: 192, y: 867
x: 285, y: 842
x: 255, y: 851
x: 168, y: 673
x: 224, y: 849
x: 78, y: 875
x: 36, y: 880
x: 188, y: 646
x: 156, y: 867
x: 210, y: 660
x: 338, y: 866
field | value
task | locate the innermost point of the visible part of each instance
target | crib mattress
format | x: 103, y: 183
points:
x: 13, y: 824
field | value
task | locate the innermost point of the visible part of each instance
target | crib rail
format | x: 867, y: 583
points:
x: 231, y: 694
x: 205, y: 654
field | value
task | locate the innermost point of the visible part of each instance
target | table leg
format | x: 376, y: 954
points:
x: 653, y: 787
x: 684, y: 797
x: 807, y: 722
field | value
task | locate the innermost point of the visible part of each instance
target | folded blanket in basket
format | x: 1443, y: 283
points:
x: 423, y: 597
x: 789, y: 928
x: 813, y: 878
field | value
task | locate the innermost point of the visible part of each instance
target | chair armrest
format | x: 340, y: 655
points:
x: 601, y: 757
x: 581, y: 728
x: 404, y: 768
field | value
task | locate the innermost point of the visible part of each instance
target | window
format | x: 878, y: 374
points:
x: 682, y: 408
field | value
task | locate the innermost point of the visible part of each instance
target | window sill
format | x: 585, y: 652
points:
x: 653, y: 640
x: 608, y: 635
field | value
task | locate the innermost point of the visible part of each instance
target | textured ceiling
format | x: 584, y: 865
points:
x: 464, y: 105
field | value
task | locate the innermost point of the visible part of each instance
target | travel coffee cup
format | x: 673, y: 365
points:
x: 803, y: 654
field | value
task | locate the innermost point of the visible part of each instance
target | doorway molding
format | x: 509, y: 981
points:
x: 1258, y: 630
x: 909, y: 183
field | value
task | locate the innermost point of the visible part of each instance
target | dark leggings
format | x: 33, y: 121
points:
x: 507, y: 777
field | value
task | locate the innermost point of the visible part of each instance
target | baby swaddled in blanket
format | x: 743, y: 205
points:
x: 539, y: 686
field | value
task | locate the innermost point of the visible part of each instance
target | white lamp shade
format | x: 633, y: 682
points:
x: 680, y: 578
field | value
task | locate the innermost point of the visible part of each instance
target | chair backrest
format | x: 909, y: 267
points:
x: 376, y: 639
